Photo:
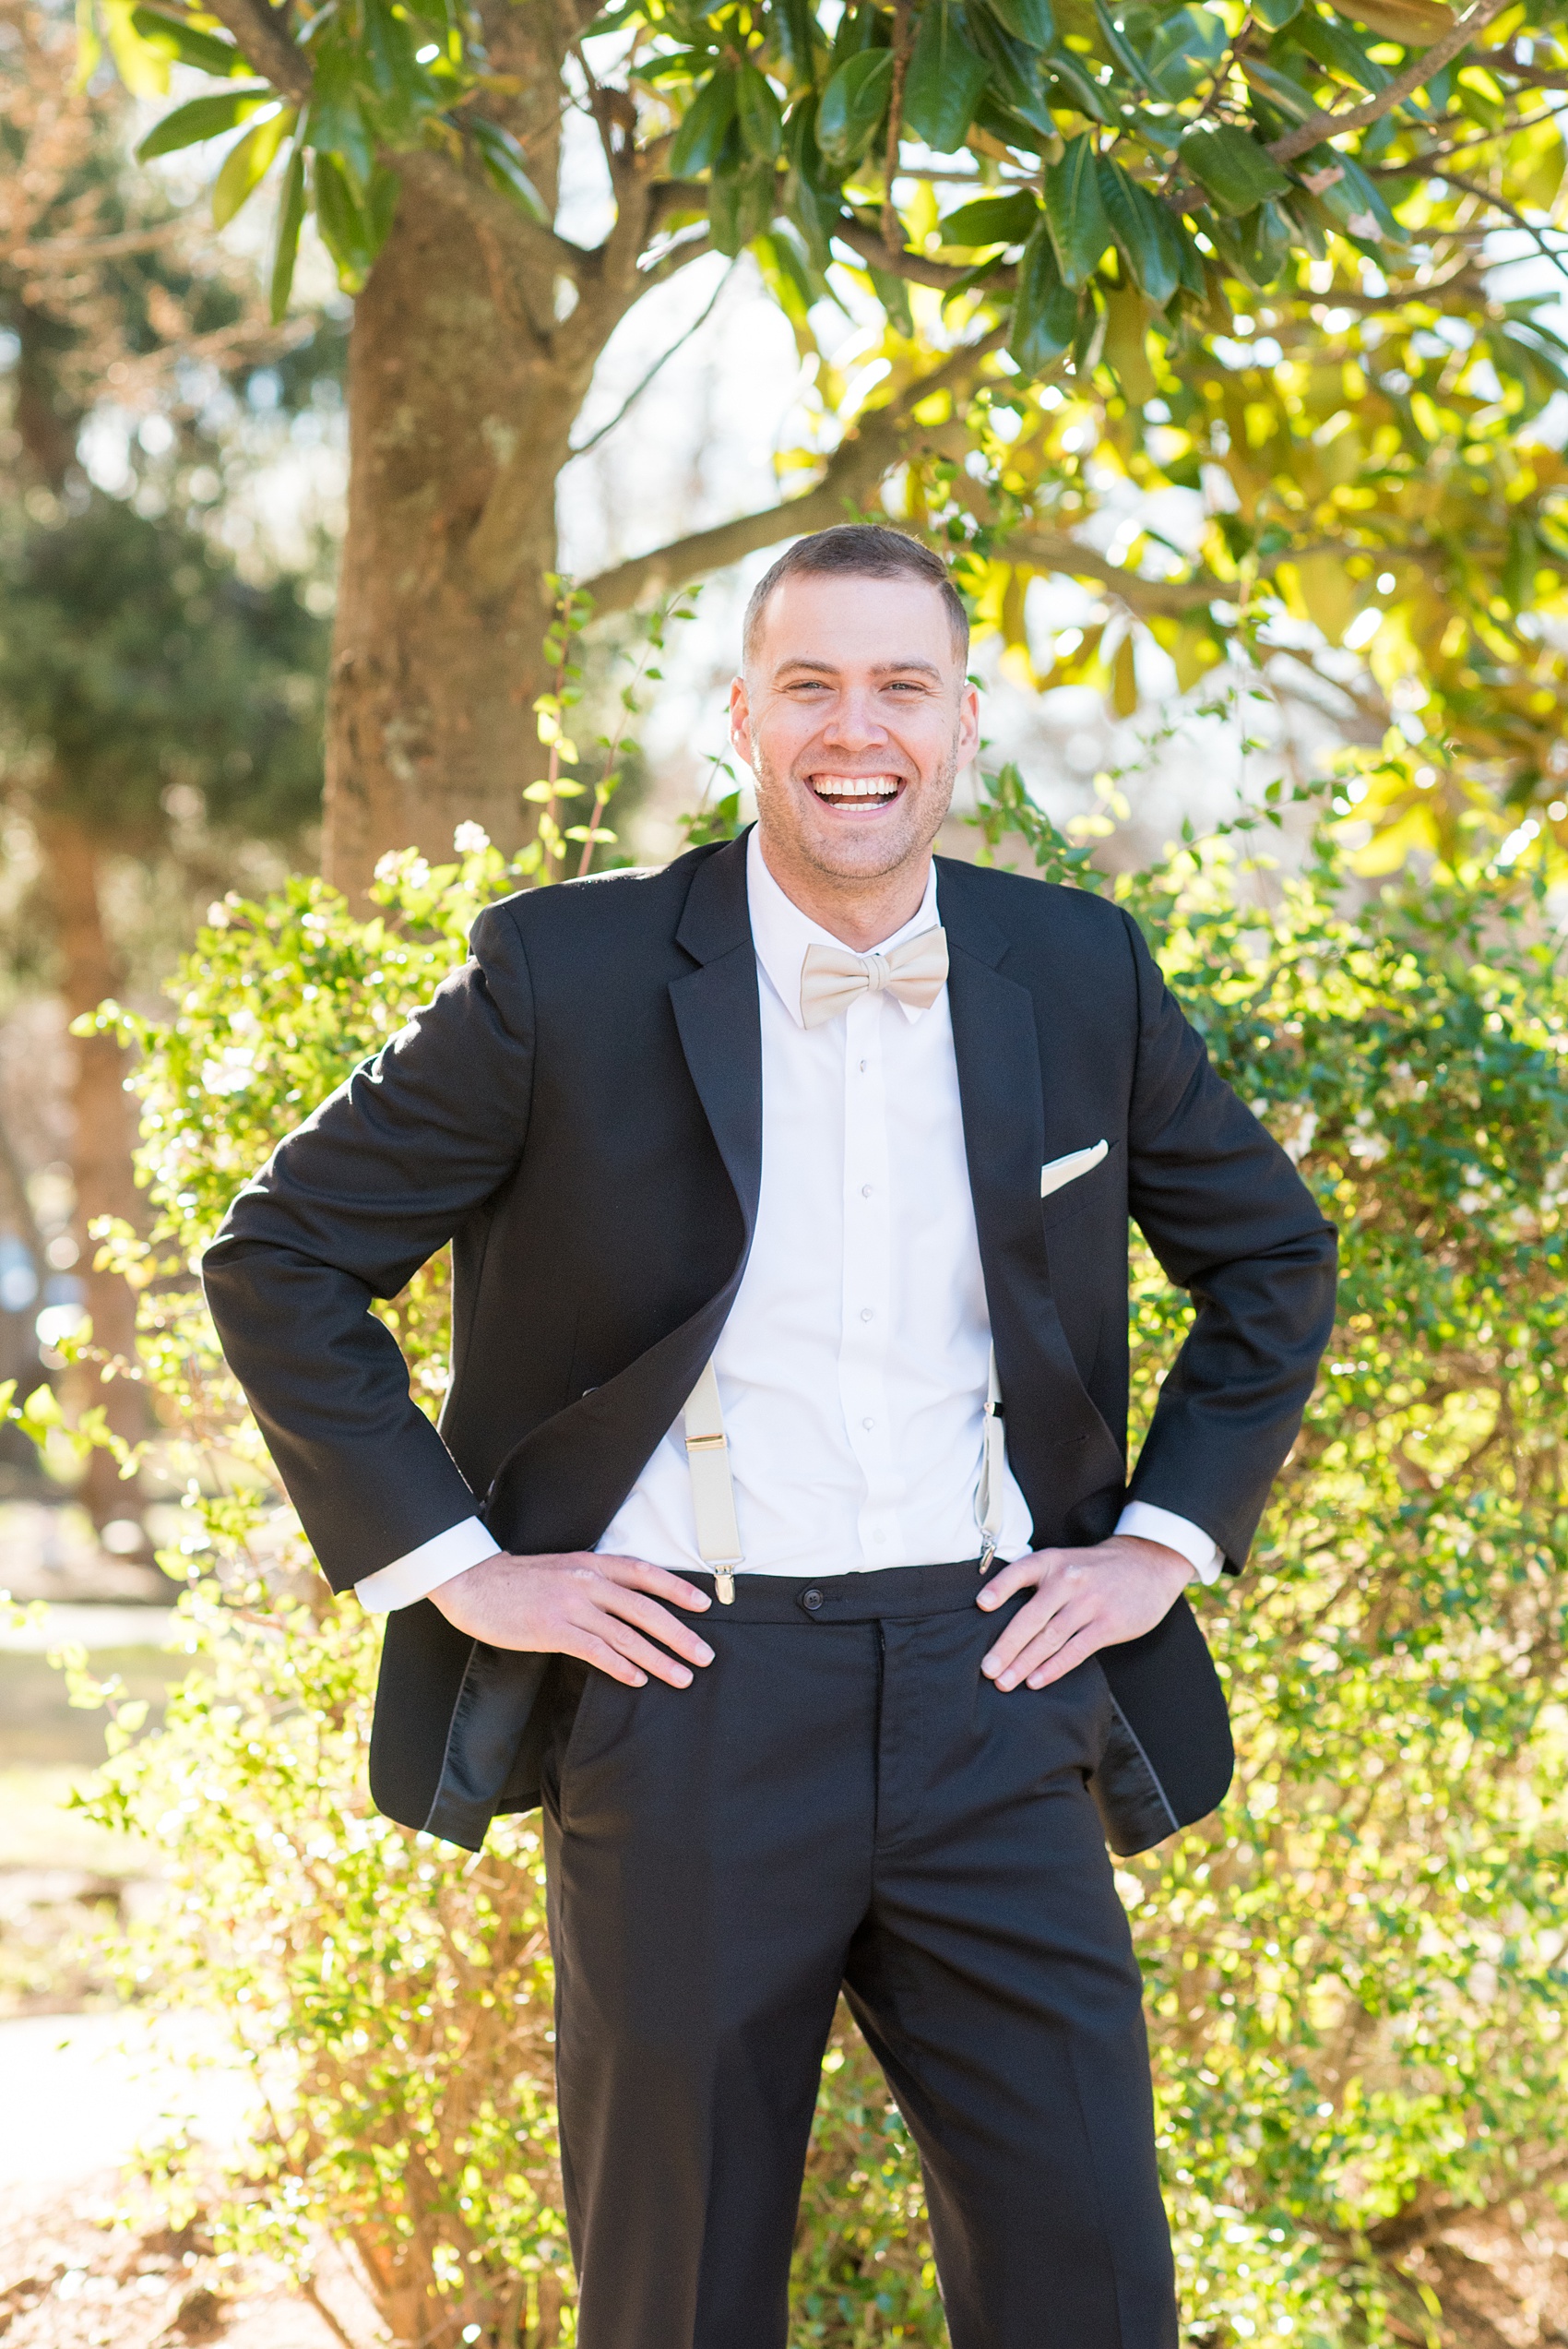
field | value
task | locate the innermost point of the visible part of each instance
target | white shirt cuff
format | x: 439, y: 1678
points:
x: 418, y: 1572
x: 1150, y: 1524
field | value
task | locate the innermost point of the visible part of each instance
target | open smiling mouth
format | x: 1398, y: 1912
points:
x: 861, y: 793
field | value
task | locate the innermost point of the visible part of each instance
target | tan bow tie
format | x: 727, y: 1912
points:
x: 832, y: 977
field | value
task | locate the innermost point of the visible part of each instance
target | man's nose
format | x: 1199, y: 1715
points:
x: 855, y: 722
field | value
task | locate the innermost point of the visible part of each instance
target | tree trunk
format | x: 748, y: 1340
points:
x: 461, y: 409
x: 100, y: 1154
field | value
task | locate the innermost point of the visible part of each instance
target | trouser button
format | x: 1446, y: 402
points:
x: 811, y: 1600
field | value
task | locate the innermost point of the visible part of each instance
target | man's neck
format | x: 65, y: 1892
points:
x: 860, y: 913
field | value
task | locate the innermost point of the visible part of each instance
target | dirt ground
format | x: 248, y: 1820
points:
x: 81, y: 2269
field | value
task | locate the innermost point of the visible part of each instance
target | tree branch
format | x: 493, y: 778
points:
x: 901, y: 263
x: 1507, y: 61
x: 1411, y: 78
x: 264, y: 44
x: 868, y: 451
x: 1146, y: 599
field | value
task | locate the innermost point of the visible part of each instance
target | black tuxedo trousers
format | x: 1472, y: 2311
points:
x: 842, y: 1798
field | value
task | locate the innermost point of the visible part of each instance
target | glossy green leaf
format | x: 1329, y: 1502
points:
x: 760, y: 116
x: 1335, y: 45
x: 703, y: 126
x: 184, y: 45
x: 1120, y: 50
x: 853, y: 105
x: 1045, y: 310
x: 338, y: 124
x: 1075, y: 86
x: 1030, y: 21
x: 1075, y: 212
x: 203, y: 118
x: 1145, y: 233
x: 1016, y: 75
x: 1231, y: 168
x: 740, y: 205
x: 945, y: 78
x: 505, y: 166
x: 1184, y: 49
x: 248, y: 164
x: 991, y: 220
x: 1296, y: 105
x: 286, y: 234
x: 798, y: 36
x: 1276, y: 13
x: 1357, y: 202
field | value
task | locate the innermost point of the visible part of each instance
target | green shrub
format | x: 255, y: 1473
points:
x: 1354, y: 1975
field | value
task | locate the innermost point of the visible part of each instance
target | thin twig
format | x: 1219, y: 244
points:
x: 1512, y: 211
x: 903, y: 21
x: 635, y: 394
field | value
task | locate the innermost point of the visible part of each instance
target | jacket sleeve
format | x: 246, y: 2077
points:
x: 1231, y: 1223
x: 345, y: 1212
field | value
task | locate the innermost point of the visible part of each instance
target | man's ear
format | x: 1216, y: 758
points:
x: 968, y: 724
x: 741, y: 721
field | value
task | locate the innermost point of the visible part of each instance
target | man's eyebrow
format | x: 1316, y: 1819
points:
x: 879, y: 669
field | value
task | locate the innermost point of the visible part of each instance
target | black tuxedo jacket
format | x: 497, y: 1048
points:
x: 578, y: 1111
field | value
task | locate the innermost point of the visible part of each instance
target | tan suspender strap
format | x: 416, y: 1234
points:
x: 988, y: 1493
x: 713, y: 1489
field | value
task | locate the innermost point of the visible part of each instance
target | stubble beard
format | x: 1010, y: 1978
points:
x: 888, y: 851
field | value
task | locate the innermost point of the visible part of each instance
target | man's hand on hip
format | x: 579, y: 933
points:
x: 1084, y: 1599
x: 580, y: 1605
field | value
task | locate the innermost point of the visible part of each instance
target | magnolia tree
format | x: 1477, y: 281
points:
x: 1355, y: 1970
x: 1181, y: 246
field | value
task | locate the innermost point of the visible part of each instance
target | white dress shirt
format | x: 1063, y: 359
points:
x: 853, y: 1367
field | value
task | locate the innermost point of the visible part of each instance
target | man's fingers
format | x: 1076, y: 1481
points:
x: 1015, y: 1636
x: 1022, y: 1574
x: 634, y: 1573
x: 1034, y: 1637
x: 650, y: 1662
x: 1083, y: 1643
x: 604, y: 1658
x: 632, y: 1606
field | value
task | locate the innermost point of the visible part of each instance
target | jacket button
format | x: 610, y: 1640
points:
x: 811, y: 1600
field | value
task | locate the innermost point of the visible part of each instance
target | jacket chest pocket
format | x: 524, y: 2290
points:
x: 1095, y: 1177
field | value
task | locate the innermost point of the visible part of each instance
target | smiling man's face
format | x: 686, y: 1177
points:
x: 854, y: 717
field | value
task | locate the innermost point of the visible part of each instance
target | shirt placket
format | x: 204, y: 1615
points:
x: 867, y: 1322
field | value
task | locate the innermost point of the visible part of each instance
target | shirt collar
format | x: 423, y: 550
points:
x: 782, y: 933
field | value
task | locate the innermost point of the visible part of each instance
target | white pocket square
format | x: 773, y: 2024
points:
x: 1058, y: 1171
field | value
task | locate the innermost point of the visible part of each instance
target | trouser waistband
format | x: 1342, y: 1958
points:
x: 879, y: 1594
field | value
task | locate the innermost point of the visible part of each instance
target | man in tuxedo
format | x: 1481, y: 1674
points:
x: 778, y: 1536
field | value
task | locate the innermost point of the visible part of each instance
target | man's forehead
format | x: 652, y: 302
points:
x: 840, y: 623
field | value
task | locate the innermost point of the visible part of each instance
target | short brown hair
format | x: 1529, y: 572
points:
x: 859, y: 551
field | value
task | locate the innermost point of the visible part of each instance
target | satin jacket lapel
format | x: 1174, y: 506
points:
x: 720, y: 1022
x: 997, y: 1047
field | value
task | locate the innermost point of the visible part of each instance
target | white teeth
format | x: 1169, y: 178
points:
x: 855, y: 786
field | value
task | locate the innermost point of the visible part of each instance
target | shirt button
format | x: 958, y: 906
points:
x: 865, y: 1190
x: 866, y: 1314
x: 863, y: 1068
x: 868, y: 1423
